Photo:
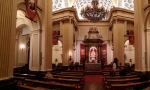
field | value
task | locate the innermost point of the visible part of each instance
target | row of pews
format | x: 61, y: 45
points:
x: 60, y: 81
x: 129, y: 82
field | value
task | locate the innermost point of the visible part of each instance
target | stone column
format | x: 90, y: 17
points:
x: 139, y: 36
x: 88, y: 54
x: 118, y: 39
x: 100, y: 52
x: 85, y: 52
x: 67, y: 41
x: 48, y: 37
x: 7, y: 37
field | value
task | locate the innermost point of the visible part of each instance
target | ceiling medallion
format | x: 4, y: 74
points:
x: 94, y: 12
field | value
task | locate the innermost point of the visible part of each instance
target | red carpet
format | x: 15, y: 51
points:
x: 93, y: 78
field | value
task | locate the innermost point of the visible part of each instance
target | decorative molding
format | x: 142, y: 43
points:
x: 147, y: 7
x: 116, y: 20
x: 147, y: 30
x: 70, y: 20
x: 39, y: 9
x: 36, y: 31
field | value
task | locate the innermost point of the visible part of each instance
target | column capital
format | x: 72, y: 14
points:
x: 116, y: 20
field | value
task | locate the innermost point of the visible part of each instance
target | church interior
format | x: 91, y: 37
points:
x: 74, y: 44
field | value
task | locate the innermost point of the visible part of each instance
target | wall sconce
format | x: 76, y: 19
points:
x: 22, y: 47
x: 70, y: 56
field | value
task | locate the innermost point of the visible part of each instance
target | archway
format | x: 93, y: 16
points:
x: 129, y: 53
x: 57, y: 53
x: 33, y: 38
x: 22, y: 46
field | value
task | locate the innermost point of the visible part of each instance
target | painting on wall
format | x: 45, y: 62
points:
x: 104, y: 51
x: 31, y: 9
x: 82, y: 54
x: 55, y: 38
x: 131, y: 37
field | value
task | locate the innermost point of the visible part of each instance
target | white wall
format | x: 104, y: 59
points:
x: 22, y: 54
x: 57, y: 53
x: 130, y: 52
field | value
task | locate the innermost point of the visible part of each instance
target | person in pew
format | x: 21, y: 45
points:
x: 143, y: 77
x: 49, y: 75
x: 123, y: 72
x: 114, y: 66
x: 112, y: 73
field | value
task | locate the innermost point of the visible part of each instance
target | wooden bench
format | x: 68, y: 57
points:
x: 130, y: 85
x: 25, y: 75
x: 70, y: 77
x: 119, y: 81
x: 22, y: 87
x: 104, y: 78
x: 68, y: 74
x: 20, y: 78
x: 73, y: 72
x: 52, y: 84
x: 61, y: 80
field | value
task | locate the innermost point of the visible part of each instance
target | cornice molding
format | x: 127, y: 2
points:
x: 36, y: 31
x: 115, y: 20
x: 70, y: 20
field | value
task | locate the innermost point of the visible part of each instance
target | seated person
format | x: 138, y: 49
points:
x: 49, y: 75
x: 112, y: 73
x: 123, y: 72
x: 143, y: 78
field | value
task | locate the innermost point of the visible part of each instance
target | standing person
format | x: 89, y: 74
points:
x: 49, y: 75
x: 114, y: 66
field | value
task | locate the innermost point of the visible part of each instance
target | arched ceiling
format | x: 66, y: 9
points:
x: 78, y: 4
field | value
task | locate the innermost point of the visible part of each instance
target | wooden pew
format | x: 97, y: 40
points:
x: 130, y: 85
x: 20, y: 78
x: 120, y: 77
x: 73, y: 72
x: 51, y: 84
x: 22, y: 87
x: 104, y: 78
x: 25, y: 75
x: 119, y: 81
x: 71, y: 77
x: 68, y: 74
x: 74, y: 81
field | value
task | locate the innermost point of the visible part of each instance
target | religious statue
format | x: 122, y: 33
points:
x: 93, y: 55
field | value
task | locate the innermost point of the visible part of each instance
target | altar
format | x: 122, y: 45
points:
x: 93, y: 50
x: 92, y: 67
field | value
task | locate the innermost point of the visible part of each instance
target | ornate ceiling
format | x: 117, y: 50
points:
x: 59, y: 4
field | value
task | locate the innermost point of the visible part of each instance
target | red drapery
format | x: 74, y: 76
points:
x: 31, y: 9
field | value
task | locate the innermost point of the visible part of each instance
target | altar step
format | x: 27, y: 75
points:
x: 93, y: 73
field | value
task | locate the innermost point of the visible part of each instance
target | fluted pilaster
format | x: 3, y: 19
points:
x: 7, y: 38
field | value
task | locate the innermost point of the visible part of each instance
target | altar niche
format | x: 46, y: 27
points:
x: 93, y: 54
x: 93, y: 46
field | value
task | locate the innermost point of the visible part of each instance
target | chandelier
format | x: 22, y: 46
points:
x: 94, y: 12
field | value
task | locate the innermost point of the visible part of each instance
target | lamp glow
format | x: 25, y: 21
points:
x: 22, y: 47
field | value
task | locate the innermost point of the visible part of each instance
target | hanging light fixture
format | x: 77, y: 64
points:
x: 94, y: 12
